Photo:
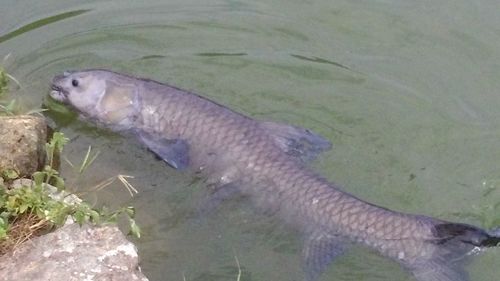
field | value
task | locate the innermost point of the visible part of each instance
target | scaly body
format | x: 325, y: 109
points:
x: 265, y: 161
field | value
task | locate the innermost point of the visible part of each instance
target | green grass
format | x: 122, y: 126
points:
x: 30, y: 210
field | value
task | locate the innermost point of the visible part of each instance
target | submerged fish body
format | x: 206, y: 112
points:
x: 266, y: 162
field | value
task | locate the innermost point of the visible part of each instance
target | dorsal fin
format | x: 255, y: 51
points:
x: 296, y: 141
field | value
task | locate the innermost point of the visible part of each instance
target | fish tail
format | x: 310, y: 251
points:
x: 454, y: 243
x: 467, y: 234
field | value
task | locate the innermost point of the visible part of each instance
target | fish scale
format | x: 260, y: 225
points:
x: 267, y: 162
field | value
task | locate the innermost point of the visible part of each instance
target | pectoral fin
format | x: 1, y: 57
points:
x: 319, y: 252
x: 295, y: 141
x: 175, y: 152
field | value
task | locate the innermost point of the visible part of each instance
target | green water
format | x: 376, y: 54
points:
x: 407, y: 91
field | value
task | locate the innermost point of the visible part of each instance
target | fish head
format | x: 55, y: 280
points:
x: 80, y: 89
x: 103, y: 96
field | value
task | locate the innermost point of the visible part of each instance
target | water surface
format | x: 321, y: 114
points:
x: 407, y: 91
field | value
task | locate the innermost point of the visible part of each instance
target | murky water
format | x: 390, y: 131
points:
x: 408, y: 92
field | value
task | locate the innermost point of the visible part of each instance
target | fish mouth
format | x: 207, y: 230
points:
x: 58, y: 93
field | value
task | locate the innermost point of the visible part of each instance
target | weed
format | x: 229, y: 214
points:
x: 6, y: 107
x: 32, y: 209
x: 3, y: 82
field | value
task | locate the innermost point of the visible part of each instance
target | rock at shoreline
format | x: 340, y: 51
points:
x: 70, y: 253
x: 74, y: 253
x: 22, y: 144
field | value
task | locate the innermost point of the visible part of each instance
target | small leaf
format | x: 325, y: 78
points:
x: 38, y: 178
x: 11, y: 202
x: 3, y: 229
x: 112, y: 217
x: 23, y: 208
x: 95, y: 216
x: 59, y: 183
x: 130, y: 211
x: 79, y: 217
x: 134, y: 229
x: 10, y: 174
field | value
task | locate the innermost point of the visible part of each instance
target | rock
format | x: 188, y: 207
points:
x: 74, y: 253
x: 71, y: 252
x: 22, y: 144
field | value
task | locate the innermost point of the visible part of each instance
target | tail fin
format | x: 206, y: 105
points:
x: 467, y: 234
x: 452, y: 246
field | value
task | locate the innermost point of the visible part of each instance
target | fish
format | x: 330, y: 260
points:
x: 268, y: 162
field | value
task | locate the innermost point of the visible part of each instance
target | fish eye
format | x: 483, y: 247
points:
x: 74, y: 82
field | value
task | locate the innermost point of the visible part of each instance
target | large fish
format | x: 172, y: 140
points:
x: 266, y: 162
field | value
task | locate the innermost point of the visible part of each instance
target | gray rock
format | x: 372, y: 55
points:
x: 71, y: 252
x: 74, y: 253
x: 22, y: 144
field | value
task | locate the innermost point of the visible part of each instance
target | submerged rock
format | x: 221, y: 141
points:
x: 22, y: 144
x: 74, y: 253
